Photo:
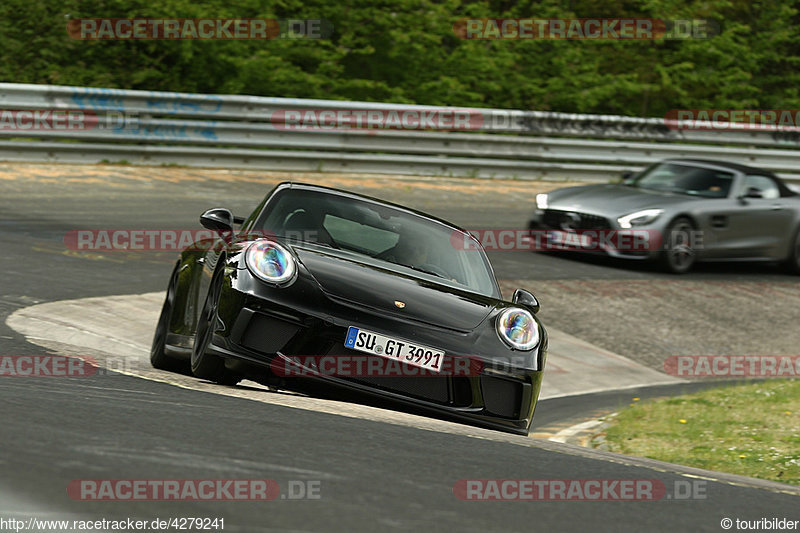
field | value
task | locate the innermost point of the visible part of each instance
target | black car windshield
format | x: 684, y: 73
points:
x: 684, y: 179
x: 381, y: 234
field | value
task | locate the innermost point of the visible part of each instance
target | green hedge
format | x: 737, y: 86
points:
x: 406, y: 51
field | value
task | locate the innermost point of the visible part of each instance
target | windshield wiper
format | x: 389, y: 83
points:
x: 331, y: 245
x: 425, y: 270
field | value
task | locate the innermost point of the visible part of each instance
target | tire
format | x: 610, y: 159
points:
x: 678, y: 256
x: 206, y: 365
x: 792, y: 263
x: 158, y: 356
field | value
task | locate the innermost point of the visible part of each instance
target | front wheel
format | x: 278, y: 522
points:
x: 793, y: 261
x: 679, y: 254
x: 158, y: 356
x: 206, y: 365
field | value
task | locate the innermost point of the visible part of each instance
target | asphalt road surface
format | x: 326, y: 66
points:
x: 370, y: 475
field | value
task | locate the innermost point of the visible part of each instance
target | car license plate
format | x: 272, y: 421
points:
x: 408, y: 352
x: 569, y: 239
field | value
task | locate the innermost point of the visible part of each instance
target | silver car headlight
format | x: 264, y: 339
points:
x: 541, y: 201
x: 639, y: 218
x: 517, y: 328
x: 270, y: 261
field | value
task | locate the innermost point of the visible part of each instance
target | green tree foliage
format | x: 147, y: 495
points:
x: 407, y: 51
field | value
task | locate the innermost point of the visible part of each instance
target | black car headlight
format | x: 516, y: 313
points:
x: 270, y: 262
x: 517, y: 328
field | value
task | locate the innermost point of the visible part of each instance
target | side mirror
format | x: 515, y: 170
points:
x: 626, y: 175
x: 752, y: 192
x: 218, y: 219
x: 523, y: 297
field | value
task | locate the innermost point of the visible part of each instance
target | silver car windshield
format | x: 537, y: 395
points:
x: 685, y: 179
x: 381, y: 234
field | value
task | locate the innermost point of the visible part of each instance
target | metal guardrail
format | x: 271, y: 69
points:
x: 239, y: 132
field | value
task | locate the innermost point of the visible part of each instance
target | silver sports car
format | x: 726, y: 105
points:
x: 678, y: 211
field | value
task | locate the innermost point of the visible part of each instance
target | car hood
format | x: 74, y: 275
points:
x: 612, y: 200
x: 376, y: 288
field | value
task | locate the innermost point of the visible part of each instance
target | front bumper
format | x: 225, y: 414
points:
x: 261, y: 331
x: 592, y: 234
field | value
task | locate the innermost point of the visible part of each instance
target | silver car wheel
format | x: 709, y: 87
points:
x: 797, y: 249
x: 680, y: 253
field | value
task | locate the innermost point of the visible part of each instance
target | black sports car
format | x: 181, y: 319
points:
x: 316, y: 277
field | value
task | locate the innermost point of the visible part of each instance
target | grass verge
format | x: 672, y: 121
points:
x: 752, y: 430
